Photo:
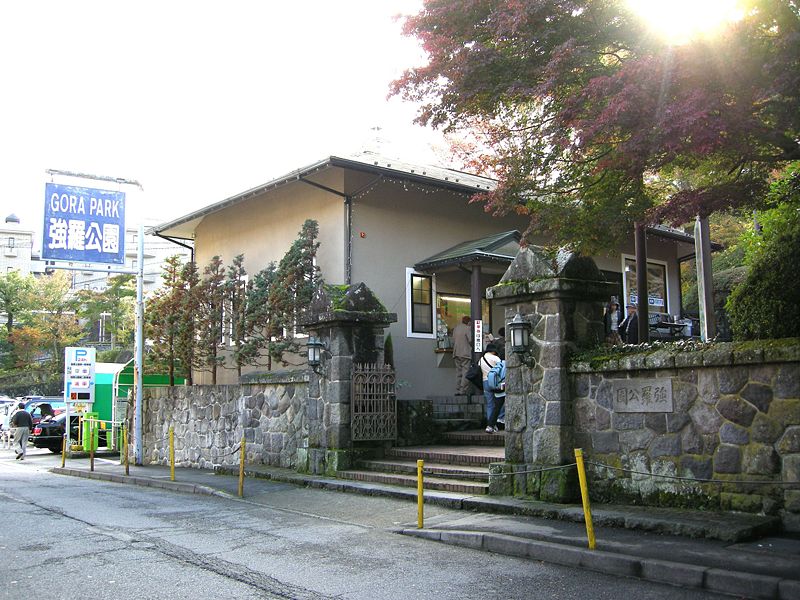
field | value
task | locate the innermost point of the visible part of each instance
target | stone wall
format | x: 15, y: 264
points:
x: 734, y: 416
x: 209, y: 422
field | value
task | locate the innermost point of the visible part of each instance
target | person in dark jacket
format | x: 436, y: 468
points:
x: 22, y: 423
x: 629, y: 328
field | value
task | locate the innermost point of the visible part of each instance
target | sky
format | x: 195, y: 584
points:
x: 197, y: 100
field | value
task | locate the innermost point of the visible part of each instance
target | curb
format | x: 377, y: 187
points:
x: 722, y: 581
x: 607, y: 517
x: 175, y: 486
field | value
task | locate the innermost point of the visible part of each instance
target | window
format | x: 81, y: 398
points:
x: 656, y: 284
x: 12, y: 242
x: 450, y: 308
x: 420, y: 292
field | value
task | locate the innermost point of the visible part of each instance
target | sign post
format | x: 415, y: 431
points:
x: 79, y: 366
x: 88, y: 225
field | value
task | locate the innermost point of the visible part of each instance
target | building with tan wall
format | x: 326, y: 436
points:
x: 410, y: 233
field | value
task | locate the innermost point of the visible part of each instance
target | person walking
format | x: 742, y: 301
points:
x: 462, y: 354
x: 22, y: 423
x: 611, y: 322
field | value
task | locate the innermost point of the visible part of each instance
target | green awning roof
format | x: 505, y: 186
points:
x: 495, y: 248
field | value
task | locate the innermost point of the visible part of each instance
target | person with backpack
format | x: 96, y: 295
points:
x: 487, y: 361
x: 496, y: 380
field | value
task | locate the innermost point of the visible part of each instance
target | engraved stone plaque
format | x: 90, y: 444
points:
x: 642, y: 395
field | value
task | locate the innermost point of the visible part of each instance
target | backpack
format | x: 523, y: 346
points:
x: 497, y: 376
x: 474, y: 375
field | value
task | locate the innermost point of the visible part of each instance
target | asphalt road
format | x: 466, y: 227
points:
x: 63, y: 537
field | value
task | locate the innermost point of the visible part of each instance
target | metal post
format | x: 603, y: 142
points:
x: 91, y: 444
x: 642, y: 293
x: 420, y: 495
x: 475, y: 297
x: 171, y: 453
x: 138, y: 362
x: 63, y: 450
x: 587, y: 509
x: 241, y: 468
x: 125, y: 450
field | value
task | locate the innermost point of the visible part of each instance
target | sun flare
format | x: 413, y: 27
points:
x: 680, y: 21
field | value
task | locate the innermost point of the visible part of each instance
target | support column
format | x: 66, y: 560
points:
x: 705, y: 283
x: 350, y: 324
x: 563, y: 302
x: 475, y: 297
x: 642, y: 293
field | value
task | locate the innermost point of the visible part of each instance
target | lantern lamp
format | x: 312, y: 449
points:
x: 314, y: 347
x: 520, y: 332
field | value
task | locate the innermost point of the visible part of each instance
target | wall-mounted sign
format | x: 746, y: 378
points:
x: 642, y: 395
x: 83, y: 224
x: 477, y: 334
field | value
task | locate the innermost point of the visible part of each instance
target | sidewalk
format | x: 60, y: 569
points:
x: 688, y: 549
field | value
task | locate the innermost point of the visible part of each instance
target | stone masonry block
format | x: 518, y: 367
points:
x: 602, y: 419
x: 787, y: 382
x: 760, y: 459
x: 627, y: 421
x: 665, y: 445
x: 758, y: 395
x: 732, y: 379
x: 733, y: 434
x: 736, y: 410
x: 790, y: 441
x: 699, y: 467
x: 656, y: 421
x: 727, y: 459
x: 791, y: 468
x: 765, y: 429
x: 605, y: 442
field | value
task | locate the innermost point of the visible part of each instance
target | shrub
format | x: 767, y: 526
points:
x: 767, y: 303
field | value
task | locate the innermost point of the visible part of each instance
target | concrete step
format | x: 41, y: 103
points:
x: 429, y: 483
x: 475, y: 437
x: 451, y: 454
x: 409, y: 467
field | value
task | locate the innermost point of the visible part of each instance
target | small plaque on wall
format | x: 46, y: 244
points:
x: 642, y: 395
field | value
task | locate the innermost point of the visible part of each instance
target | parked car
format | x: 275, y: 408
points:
x: 49, y: 432
x: 44, y: 410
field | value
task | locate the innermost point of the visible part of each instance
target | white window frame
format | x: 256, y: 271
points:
x: 409, y: 297
x: 655, y: 261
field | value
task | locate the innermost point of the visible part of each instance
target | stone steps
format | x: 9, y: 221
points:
x: 409, y: 467
x: 429, y: 482
x: 475, y: 437
x: 471, y: 455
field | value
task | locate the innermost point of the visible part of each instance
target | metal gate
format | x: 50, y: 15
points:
x: 373, y: 408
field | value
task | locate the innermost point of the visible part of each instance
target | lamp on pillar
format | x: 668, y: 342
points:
x: 520, y: 333
x: 314, y: 346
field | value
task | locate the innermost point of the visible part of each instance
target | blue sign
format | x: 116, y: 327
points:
x: 83, y: 225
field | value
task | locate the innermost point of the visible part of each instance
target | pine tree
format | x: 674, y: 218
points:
x: 188, y: 308
x: 210, y: 317
x: 296, y: 279
x: 259, y: 323
x: 236, y: 287
x: 163, y: 320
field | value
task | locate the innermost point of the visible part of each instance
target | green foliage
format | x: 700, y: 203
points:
x: 767, y: 303
x: 210, y: 317
x: 296, y: 278
x: 115, y: 304
x: 236, y: 288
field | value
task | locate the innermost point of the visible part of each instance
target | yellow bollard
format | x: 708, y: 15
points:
x: 125, y: 449
x: 241, y: 469
x: 587, y: 509
x: 420, y: 494
x: 171, y: 453
x: 63, y: 450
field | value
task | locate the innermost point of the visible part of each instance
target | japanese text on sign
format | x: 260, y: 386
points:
x: 79, y: 366
x: 84, y: 224
x: 641, y: 395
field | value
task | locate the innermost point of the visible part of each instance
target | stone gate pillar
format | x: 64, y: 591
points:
x: 350, y: 322
x: 562, y: 297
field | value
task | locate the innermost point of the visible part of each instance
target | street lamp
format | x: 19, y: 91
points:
x: 314, y: 347
x: 520, y: 332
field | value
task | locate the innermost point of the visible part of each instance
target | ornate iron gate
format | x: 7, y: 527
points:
x: 373, y: 407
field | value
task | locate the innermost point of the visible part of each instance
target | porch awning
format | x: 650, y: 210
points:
x: 498, y: 248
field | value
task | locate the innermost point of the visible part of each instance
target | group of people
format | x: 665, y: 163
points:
x: 619, y: 329
x: 20, y: 423
x: 492, y: 365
